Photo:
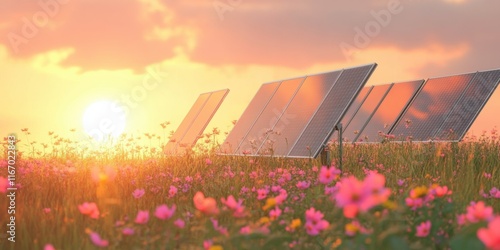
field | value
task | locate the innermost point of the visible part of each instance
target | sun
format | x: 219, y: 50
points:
x: 104, y: 120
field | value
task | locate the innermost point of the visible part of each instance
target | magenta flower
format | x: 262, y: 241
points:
x: 491, y: 236
x: 314, y: 222
x: 237, y: 207
x: 327, y: 175
x: 138, y: 193
x: 275, y: 213
x: 49, y: 247
x: 303, y: 185
x: 479, y: 212
x: 172, y: 191
x: 142, y: 217
x: 423, y: 229
x: 97, y: 240
x: 179, y: 223
x: 262, y: 193
x: 128, y: 231
x: 163, y: 212
x: 89, y: 209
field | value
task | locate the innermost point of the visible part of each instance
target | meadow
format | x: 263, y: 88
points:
x: 392, y: 195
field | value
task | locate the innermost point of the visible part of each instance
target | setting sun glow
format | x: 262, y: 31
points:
x: 104, y: 120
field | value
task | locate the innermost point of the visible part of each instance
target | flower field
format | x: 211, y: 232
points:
x: 386, y: 196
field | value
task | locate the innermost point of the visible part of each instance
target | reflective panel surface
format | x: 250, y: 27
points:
x: 425, y: 115
x: 249, y: 116
x: 331, y: 111
x: 393, y: 105
x: 176, y: 138
x: 203, y: 118
x: 468, y: 107
x: 299, y: 112
x: 364, y: 113
x: 266, y: 121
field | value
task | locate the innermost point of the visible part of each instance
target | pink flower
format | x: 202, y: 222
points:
x: 495, y: 193
x: 414, y: 203
x: 479, y: 212
x: 179, y: 223
x: 262, y: 194
x: 441, y: 191
x: 138, y: 193
x: 423, y: 229
x: 491, y: 236
x: 237, y: 207
x: 303, y: 184
x: 96, y: 239
x: 4, y: 184
x: 46, y: 210
x: 245, y: 230
x: 142, y: 217
x: 163, y: 212
x: 207, y: 206
x: 128, y: 231
x: 275, y: 213
x: 208, y: 161
x: 49, y: 247
x: 401, y: 182
x: 219, y: 228
x: 314, y: 222
x: 172, y: 191
x: 89, y: 209
x: 207, y: 244
x: 327, y: 175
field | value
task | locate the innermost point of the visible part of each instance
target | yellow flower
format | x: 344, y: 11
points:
x: 419, y: 192
x: 390, y: 205
x: 264, y: 220
x: 351, y: 229
x: 337, y: 243
x: 270, y: 203
x: 295, y: 223
x: 216, y: 247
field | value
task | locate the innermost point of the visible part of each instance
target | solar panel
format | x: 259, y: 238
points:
x: 386, y: 115
x: 269, y: 116
x: 428, y: 111
x: 172, y: 145
x: 196, y: 121
x: 364, y: 113
x: 352, y: 110
x: 249, y: 116
x: 299, y: 111
x: 331, y: 111
x: 468, y: 107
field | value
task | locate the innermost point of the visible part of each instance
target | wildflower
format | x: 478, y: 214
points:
x: 314, y: 222
x: 237, y: 207
x: 49, y: 247
x: 270, y: 203
x: 172, y: 191
x: 296, y: 223
x: 46, y: 210
x: 423, y: 229
x: 128, y: 231
x: 495, y: 193
x: 401, y: 182
x: 208, y: 161
x: 138, y: 193
x: 142, y: 217
x: 245, y: 230
x: 163, y: 212
x: 179, y: 223
x: 89, y: 209
x: 327, y: 175
x: 441, y: 191
x: 479, y: 212
x: 303, y: 184
x: 419, y: 192
x: 205, y: 205
x: 97, y: 240
x: 352, y: 228
x: 491, y: 236
x: 275, y: 213
x: 262, y: 193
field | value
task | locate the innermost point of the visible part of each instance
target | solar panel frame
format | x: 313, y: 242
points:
x: 267, y: 111
x: 464, y: 100
x: 278, y: 147
x: 239, y: 123
x: 400, y: 113
x: 371, y: 68
x: 370, y: 115
x: 393, y: 131
x: 220, y: 95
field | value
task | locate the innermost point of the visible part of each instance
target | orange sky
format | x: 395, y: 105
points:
x: 58, y: 57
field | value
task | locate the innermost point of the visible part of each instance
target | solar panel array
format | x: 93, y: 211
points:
x: 291, y: 121
x: 446, y: 107
x: 195, y: 122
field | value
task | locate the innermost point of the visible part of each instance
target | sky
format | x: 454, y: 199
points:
x: 155, y: 57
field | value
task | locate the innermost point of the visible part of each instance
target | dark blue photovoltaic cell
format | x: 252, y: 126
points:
x: 176, y: 138
x: 298, y: 113
x: 203, y: 118
x: 365, y: 112
x: 269, y: 116
x: 248, y: 118
x: 353, y: 109
x: 331, y: 111
x: 393, y: 105
x: 425, y: 115
x: 468, y: 107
